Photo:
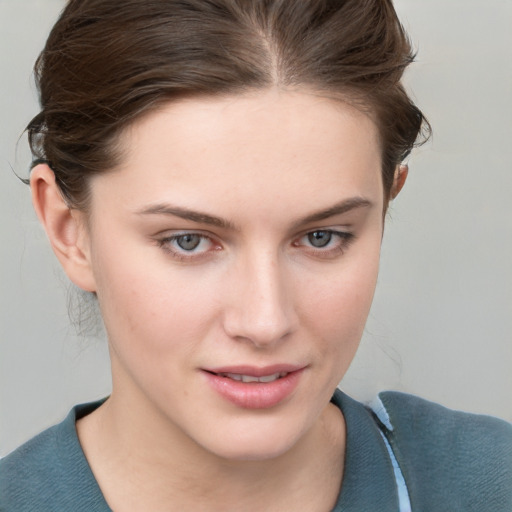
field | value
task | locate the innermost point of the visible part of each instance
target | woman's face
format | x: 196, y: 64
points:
x: 235, y: 254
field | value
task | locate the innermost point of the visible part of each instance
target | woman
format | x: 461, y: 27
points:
x: 217, y: 174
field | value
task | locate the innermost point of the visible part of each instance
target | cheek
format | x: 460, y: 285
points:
x: 337, y: 304
x: 148, y: 307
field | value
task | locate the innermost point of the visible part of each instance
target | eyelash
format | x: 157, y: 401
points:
x: 345, y: 239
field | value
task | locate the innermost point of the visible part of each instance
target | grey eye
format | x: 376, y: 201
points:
x: 188, y: 242
x: 319, y: 238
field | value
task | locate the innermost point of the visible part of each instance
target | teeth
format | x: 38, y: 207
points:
x: 249, y: 378
x: 252, y: 378
x: 269, y: 378
x: 234, y: 376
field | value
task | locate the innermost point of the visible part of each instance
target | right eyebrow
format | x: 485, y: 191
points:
x: 187, y: 214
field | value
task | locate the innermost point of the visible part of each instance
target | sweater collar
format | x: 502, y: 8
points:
x: 368, y: 479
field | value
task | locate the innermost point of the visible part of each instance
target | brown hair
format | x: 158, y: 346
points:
x: 106, y: 62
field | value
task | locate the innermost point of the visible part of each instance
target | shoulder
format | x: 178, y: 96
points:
x: 416, y: 419
x: 451, y: 460
x: 50, y: 472
x: 27, y: 474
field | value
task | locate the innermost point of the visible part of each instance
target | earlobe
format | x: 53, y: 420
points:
x: 401, y: 173
x: 64, y: 227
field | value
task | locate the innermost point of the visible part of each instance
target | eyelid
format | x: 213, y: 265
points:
x: 343, y: 230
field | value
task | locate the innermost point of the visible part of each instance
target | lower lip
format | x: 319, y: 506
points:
x: 255, y: 395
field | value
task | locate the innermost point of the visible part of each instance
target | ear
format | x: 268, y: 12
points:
x: 65, y: 227
x: 401, y: 173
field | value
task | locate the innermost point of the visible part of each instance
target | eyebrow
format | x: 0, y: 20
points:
x: 344, y: 206
x: 187, y: 214
x: 204, y: 218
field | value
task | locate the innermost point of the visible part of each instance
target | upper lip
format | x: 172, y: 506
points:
x: 255, y: 371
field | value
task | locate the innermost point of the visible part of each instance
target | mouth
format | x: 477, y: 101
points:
x: 251, y: 378
x: 255, y: 388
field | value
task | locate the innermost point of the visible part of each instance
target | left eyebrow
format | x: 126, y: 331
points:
x: 339, y: 208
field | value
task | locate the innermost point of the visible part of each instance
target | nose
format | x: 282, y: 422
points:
x: 261, y: 308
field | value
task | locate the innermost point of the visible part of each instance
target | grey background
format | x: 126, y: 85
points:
x: 442, y: 319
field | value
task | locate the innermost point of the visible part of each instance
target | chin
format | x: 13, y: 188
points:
x: 266, y: 450
x: 255, y: 443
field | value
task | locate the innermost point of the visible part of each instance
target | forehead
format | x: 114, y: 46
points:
x: 271, y: 146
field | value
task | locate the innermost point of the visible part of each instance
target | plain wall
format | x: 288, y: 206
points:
x: 441, y: 322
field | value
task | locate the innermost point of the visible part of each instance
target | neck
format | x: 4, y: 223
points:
x: 141, y: 463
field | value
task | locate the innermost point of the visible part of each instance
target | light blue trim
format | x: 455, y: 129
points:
x: 380, y: 411
x: 403, y: 494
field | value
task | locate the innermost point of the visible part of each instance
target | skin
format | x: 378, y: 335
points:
x: 255, y: 291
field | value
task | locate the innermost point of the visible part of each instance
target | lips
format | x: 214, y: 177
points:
x: 254, y: 388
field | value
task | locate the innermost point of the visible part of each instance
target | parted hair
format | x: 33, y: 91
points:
x: 107, y: 62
